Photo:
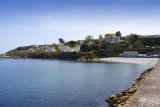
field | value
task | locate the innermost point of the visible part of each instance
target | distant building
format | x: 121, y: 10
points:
x: 76, y: 49
x: 81, y: 42
x: 4, y: 56
x: 63, y: 48
x: 142, y: 55
x: 91, y: 43
x: 45, y: 49
x: 112, y: 39
x: 155, y: 55
x: 31, y: 50
x: 35, y: 46
x: 68, y: 49
x: 51, y: 50
x: 130, y: 53
x: 117, y: 40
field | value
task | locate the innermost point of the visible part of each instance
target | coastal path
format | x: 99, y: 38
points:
x: 148, y: 94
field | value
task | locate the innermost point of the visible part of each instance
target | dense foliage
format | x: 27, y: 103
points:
x: 23, y: 48
x: 61, y: 40
x: 150, y: 41
x: 86, y: 47
x: 118, y: 33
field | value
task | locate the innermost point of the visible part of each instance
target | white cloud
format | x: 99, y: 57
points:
x: 94, y: 26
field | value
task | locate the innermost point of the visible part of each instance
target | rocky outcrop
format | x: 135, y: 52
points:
x: 82, y: 59
x: 87, y: 59
x: 121, y: 99
x: 59, y: 55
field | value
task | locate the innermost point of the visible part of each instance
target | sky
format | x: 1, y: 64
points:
x: 31, y: 22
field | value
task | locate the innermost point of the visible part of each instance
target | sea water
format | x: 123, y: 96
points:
x: 57, y: 83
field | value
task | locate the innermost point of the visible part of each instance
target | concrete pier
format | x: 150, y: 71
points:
x: 148, y: 94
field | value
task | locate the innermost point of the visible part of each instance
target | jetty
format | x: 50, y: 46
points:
x: 148, y: 94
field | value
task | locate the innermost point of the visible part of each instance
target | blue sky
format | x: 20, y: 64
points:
x: 27, y: 22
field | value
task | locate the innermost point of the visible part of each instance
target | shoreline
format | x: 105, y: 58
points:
x: 119, y: 100
x: 142, y: 61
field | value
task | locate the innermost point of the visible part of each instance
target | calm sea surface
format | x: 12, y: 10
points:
x: 54, y: 83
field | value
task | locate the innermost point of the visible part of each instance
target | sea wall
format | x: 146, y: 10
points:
x: 121, y: 99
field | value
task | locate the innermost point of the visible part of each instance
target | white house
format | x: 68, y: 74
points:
x: 51, y: 50
x: 117, y: 40
x: 31, y: 50
x: 112, y: 39
x: 45, y: 49
x: 62, y: 48
x: 76, y: 48
x: 68, y: 50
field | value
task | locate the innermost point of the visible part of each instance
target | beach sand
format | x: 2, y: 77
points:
x: 143, y: 61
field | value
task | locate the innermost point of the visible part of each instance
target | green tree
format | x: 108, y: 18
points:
x: 153, y: 41
x: 89, y: 38
x: 123, y: 38
x: 71, y: 43
x: 96, y: 42
x: 55, y: 46
x: 133, y: 38
x: 118, y: 33
x: 100, y: 36
x: 61, y: 40
x: 78, y: 42
x: 95, y: 47
x: 86, y: 47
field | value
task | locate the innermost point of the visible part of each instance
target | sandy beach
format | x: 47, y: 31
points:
x: 143, y: 61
